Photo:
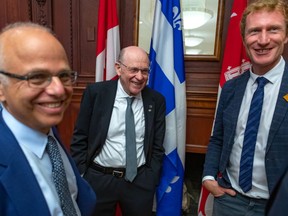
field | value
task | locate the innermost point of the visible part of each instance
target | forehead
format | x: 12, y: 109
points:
x: 263, y: 16
x: 23, y: 46
x: 137, y: 58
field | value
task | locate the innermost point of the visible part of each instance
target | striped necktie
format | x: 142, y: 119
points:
x: 250, y: 136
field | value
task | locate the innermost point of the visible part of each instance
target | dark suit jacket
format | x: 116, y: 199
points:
x: 20, y: 193
x: 94, y: 118
x: 277, y: 204
x: 222, y: 139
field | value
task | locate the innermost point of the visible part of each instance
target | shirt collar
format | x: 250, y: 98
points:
x: 121, y: 93
x: 272, y: 75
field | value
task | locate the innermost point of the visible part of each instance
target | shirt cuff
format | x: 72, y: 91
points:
x: 208, y: 178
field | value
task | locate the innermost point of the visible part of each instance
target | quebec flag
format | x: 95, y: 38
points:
x: 168, y: 77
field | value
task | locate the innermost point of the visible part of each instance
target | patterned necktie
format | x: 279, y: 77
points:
x: 131, y: 157
x: 59, y: 178
x: 250, y: 136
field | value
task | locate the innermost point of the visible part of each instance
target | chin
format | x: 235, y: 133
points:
x: 50, y: 122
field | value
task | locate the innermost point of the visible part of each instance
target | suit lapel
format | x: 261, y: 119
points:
x: 107, y: 100
x: 239, y: 91
x: 280, y: 109
x: 102, y: 112
x: 17, y: 177
x: 149, y: 112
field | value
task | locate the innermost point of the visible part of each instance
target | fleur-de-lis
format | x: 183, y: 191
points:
x: 170, y: 187
x: 176, y: 18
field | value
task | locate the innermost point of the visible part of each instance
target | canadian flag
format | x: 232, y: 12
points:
x: 108, y: 40
x: 235, y: 62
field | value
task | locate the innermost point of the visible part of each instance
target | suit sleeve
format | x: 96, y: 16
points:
x: 159, y: 133
x: 215, y: 146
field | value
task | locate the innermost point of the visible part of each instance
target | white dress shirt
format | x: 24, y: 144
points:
x: 113, y: 153
x: 33, y: 144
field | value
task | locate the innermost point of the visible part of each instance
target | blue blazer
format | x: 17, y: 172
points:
x: 222, y: 139
x: 277, y: 204
x: 20, y: 193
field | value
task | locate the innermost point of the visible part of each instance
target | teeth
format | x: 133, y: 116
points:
x: 52, y: 105
x: 263, y: 50
x: 136, y: 83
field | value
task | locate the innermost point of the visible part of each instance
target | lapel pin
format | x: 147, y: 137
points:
x: 150, y: 108
x: 286, y: 97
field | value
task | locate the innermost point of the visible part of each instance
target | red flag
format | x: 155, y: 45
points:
x: 108, y: 45
x: 235, y: 62
x: 108, y: 40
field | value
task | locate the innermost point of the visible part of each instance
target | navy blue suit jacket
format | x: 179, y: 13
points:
x: 222, y: 139
x: 277, y: 204
x: 20, y: 193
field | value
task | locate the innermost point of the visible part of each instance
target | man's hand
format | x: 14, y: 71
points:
x: 213, y: 187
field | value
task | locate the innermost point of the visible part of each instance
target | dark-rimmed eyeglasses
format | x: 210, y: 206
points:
x: 135, y: 70
x: 41, y: 79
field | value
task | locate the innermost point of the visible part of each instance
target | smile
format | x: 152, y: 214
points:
x: 52, y: 105
x: 263, y: 50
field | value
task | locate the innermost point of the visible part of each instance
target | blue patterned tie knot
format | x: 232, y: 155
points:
x: 59, y: 178
x: 250, y: 136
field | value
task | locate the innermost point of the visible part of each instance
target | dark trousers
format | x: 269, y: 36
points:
x: 238, y: 205
x: 135, y: 199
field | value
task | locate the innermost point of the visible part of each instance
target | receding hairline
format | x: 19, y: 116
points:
x: 125, y: 50
x: 25, y: 25
x: 19, y: 28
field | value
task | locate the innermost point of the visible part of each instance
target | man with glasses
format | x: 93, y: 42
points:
x: 37, y: 176
x: 103, y: 137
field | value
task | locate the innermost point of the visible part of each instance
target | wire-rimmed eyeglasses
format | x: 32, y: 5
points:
x: 135, y: 70
x: 41, y: 79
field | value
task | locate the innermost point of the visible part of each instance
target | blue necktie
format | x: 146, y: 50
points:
x: 59, y: 178
x: 250, y: 136
x: 131, y: 156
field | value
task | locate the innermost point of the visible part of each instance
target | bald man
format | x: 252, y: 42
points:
x: 99, y: 140
x: 35, y: 90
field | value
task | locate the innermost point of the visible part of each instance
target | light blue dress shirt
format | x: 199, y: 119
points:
x: 33, y: 144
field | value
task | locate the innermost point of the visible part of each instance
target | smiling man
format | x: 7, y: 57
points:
x: 102, y: 135
x: 247, y: 152
x: 35, y: 90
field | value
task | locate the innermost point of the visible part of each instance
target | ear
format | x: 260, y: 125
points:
x: 117, y: 68
x: 286, y: 39
x: 2, y: 95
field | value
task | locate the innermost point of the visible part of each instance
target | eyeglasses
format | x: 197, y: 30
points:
x: 134, y: 70
x: 42, y: 79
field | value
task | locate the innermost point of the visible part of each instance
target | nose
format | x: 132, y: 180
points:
x: 56, y: 87
x: 139, y: 75
x: 264, y: 38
